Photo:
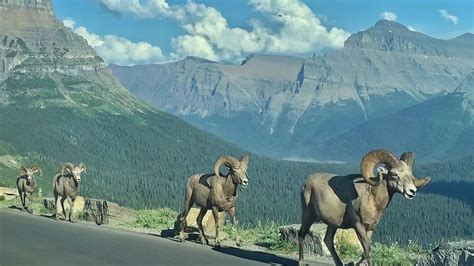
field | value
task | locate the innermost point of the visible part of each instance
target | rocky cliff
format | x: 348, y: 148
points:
x: 274, y: 104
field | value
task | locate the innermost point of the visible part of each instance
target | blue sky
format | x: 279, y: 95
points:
x: 153, y: 31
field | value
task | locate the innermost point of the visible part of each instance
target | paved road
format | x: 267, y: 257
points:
x: 34, y: 240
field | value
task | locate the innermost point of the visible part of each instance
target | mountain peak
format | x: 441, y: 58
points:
x: 391, y: 36
x: 466, y: 37
x: 388, y: 24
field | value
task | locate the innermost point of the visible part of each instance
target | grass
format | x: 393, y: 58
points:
x: 162, y: 218
x: 263, y: 234
x: 382, y: 254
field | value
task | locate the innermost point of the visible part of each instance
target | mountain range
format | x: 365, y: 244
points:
x: 285, y: 106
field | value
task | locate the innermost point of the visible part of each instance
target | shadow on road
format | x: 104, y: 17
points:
x: 256, y: 256
x: 170, y: 234
x: 15, y: 207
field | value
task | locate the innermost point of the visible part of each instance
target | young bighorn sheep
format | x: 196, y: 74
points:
x: 67, y: 186
x: 217, y: 193
x: 356, y: 201
x: 26, y: 184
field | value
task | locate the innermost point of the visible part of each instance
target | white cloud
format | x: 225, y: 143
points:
x: 69, y: 23
x: 388, y: 16
x: 288, y: 26
x: 118, y: 50
x: 411, y: 28
x: 448, y: 17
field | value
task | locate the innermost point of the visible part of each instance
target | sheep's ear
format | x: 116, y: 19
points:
x: 82, y: 166
x: 245, y: 160
x: 23, y: 170
x: 382, y: 170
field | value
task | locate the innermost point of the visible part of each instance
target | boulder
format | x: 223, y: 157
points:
x: 452, y: 253
x: 96, y: 211
x: 78, y: 207
x: 8, y: 193
x: 207, y: 223
x: 49, y: 204
x: 314, y: 240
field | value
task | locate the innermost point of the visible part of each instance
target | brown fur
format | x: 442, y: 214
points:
x: 26, y: 184
x: 67, y: 185
x: 216, y: 193
x: 355, y: 201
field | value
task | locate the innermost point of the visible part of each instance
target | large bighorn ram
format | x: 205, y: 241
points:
x: 217, y: 193
x: 356, y: 201
x: 26, y: 184
x: 67, y: 186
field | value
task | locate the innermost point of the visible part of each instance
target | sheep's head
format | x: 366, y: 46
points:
x: 397, y: 173
x: 74, y: 171
x: 237, y: 169
x: 29, y: 172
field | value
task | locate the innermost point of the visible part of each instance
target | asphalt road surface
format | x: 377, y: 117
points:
x: 27, y: 239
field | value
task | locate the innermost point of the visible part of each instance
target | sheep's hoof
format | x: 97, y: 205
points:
x: 217, y: 244
x: 238, y: 241
x: 29, y: 210
x: 72, y: 221
x: 204, y: 241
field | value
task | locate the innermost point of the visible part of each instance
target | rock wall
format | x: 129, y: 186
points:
x: 314, y: 240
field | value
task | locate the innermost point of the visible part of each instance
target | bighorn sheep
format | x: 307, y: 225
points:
x: 67, y: 186
x: 216, y: 192
x: 356, y: 201
x: 26, y: 184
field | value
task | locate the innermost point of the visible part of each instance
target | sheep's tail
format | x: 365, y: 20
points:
x: 305, y: 195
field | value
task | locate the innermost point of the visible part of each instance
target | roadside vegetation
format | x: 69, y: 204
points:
x: 264, y: 235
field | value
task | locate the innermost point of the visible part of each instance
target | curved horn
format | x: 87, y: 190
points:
x: 421, y: 182
x: 22, y: 170
x: 408, y: 158
x: 37, y: 169
x: 229, y: 161
x: 66, y: 166
x: 82, y: 166
x: 371, y: 160
x: 245, y: 160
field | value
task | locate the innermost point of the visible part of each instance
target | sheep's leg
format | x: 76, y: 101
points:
x: 365, y: 238
x: 235, y: 223
x: 199, y: 218
x: 215, y: 213
x: 62, y: 206
x: 71, y: 209
x: 304, y: 229
x: 27, y: 208
x: 188, y: 203
x: 329, y: 241
x: 55, y: 205
x: 307, y: 218
x: 22, y: 199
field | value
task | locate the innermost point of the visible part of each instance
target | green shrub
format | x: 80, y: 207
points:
x: 263, y: 234
x: 348, y: 251
x: 391, y: 254
x: 159, y: 219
